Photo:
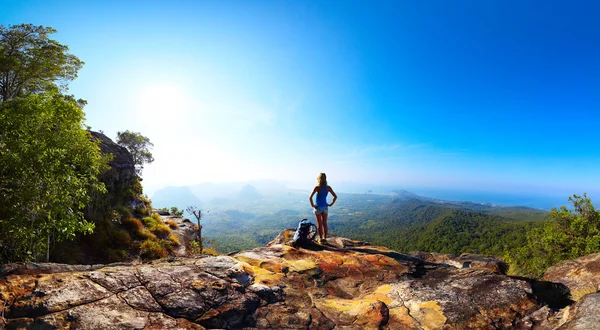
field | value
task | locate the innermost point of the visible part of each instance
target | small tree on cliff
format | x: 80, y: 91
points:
x: 31, y: 62
x: 198, y: 215
x: 139, y: 146
x: 567, y: 234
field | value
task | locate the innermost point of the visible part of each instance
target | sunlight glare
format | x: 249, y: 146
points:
x: 166, y: 101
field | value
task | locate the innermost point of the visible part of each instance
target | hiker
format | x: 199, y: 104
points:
x: 321, y: 207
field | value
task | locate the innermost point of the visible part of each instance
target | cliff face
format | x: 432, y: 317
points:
x: 121, y: 177
x: 348, y: 284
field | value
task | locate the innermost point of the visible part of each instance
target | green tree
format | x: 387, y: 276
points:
x: 176, y: 212
x: 139, y: 146
x: 31, y: 62
x: 48, y: 168
x: 566, y: 234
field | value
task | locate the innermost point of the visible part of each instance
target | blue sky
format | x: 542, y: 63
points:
x: 481, y: 95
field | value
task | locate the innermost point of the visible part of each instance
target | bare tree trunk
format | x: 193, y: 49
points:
x: 200, y: 236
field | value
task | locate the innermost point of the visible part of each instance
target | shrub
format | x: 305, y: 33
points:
x: 146, y: 200
x: 195, y: 247
x: 122, y: 239
x: 157, y: 217
x: 173, y: 239
x: 151, y: 249
x: 150, y: 221
x: 161, y: 230
x: 144, y: 207
x: 210, y: 251
x: 145, y: 234
x: 175, y: 212
x: 172, y: 224
x: 132, y: 223
x: 124, y: 211
x: 115, y: 255
x: 171, y: 243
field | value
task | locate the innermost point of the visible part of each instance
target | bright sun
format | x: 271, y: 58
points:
x: 162, y: 100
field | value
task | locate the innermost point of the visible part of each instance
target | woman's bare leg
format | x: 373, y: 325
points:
x: 324, y: 222
x: 320, y: 224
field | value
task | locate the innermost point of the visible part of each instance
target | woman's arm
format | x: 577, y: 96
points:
x: 332, y: 194
x: 312, y: 203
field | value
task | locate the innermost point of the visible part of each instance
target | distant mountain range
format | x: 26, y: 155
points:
x: 246, y: 215
x: 272, y: 195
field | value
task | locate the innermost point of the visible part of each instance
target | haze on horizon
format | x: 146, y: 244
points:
x: 481, y: 95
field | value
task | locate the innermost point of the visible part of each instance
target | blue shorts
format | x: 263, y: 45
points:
x: 320, y: 210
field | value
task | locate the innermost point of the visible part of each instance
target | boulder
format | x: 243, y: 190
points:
x: 581, y: 276
x: 184, y: 230
x: 585, y: 314
x: 465, y: 260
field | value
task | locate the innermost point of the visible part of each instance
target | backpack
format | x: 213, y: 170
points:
x: 305, y: 232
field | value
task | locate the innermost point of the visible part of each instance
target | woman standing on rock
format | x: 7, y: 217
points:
x: 321, y: 207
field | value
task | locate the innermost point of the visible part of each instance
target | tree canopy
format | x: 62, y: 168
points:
x: 139, y: 146
x: 566, y: 234
x: 49, y: 166
x: 31, y: 62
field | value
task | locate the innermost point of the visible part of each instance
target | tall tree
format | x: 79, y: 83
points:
x: 49, y: 166
x: 139, y: 146
x: 31, y: 62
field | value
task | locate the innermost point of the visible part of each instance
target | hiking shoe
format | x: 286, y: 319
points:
x: 324, y: 241
x: 319, y: 241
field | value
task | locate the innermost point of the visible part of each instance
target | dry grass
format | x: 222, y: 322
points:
x: 173, y: 239
x: 132, y: 223
x: 172, y: 224
x: 579, y: 293
x: 144, y: 234
x: 210, y: 251
x: 151, y: 249
x: 288, y: 234
x: 161, y: 230
x: 171, y: 243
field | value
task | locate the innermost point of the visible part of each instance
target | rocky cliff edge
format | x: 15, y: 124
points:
x: 345, y: 285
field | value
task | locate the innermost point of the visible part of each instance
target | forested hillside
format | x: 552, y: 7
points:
x: 401, y: 223
x: 447, y: 228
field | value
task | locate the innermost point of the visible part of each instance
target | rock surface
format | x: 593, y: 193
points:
x: 344, y: 285
x: 465, y: 260
x: 122, y: 168
x: 185, y: 231
x: 585, y: 314
x: 580, y: 276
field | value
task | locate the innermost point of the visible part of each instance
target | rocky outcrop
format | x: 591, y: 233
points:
x: 183, y: 229
x: 120, y: 180
x: 344, y: 285
x: 122, y: 167
x: 465, y: 260
x: 585, y: 314
x: 581, y: 276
